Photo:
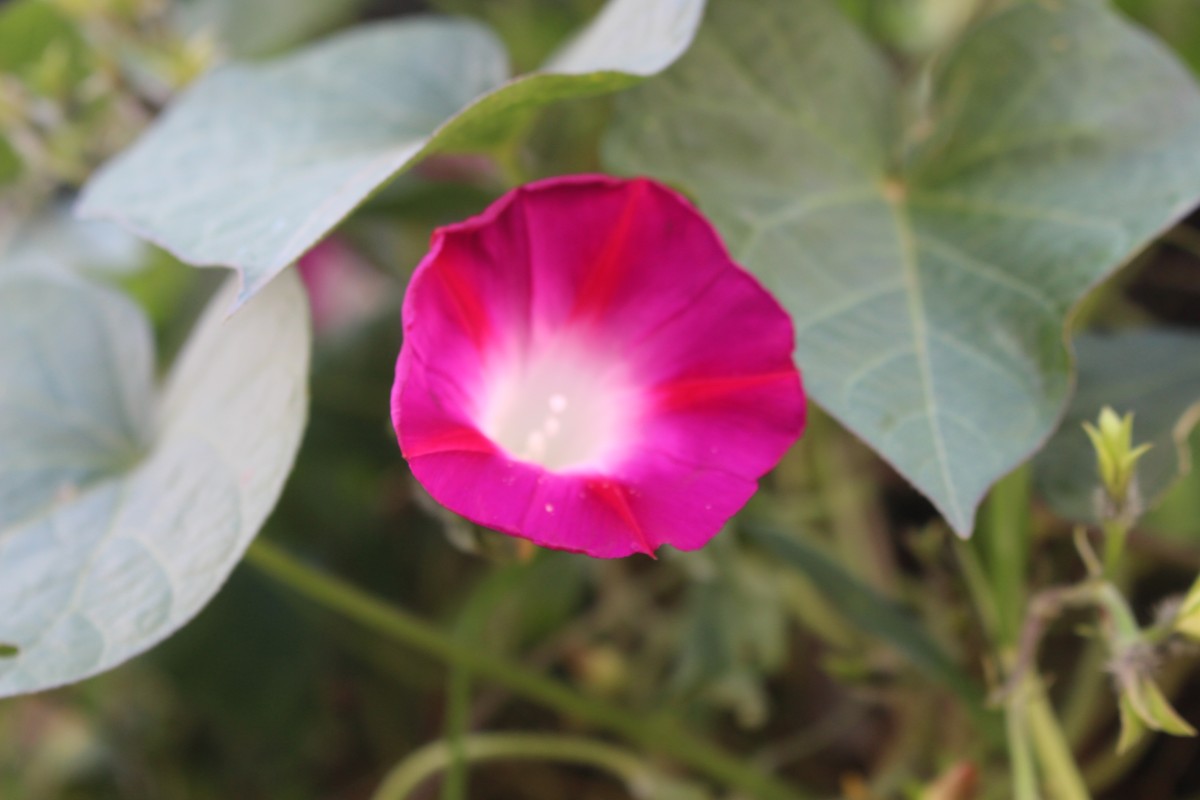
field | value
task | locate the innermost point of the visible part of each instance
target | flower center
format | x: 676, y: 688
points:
x: 561, y: 408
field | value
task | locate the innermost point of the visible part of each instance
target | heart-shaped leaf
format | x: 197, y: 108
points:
x: 1153, y: 373
x: 929, y: 239
x: 255, y: 164
x: 122, y: 513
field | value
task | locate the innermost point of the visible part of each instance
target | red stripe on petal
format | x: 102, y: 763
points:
x: 613, y: 495
x: 467, y: 305
x: 605, y: 277
x: 460, y: 440
x: 687, y: 393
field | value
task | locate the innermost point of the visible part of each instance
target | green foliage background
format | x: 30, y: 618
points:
x: 840, y: 635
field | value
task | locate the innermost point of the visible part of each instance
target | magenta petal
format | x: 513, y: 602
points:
x: 585, y: 367
x: 638, y: 255
x: 566, y: 512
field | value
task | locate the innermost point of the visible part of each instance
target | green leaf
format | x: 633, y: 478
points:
x: 56, y: 241
x: 1153, y: 373
x: 531, y: 29
x: 255, y: 164
x: 121, y: 514
x: 929, y: 240
x: 870, y: 612
x: 258, y: 27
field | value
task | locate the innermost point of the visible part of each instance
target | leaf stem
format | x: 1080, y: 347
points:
x: 1050, y: 745
x: 1024, y: 773
x: 468, y: 630
x: 1116, y: 531
x: 1080, y: 706
x: 656, y: 733
x: 1005, y: 533
x: 1033, y: 731
x: 423, y: 763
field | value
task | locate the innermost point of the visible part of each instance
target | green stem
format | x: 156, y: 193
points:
x: 656, y: 734
x: 1080, y: 707
x: 1115, y: 534
x: 1050, y: 745
x: 1005, y: 532
x: 485, y: 596
x: 993, y: 565
x: 1024, y: 774
x: 457, y: 714
x: 407, y: 776
x: 1122, y: 626
x: 979, y: 587
x: 472, y: 620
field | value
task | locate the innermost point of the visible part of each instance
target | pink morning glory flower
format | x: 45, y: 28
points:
x: 584, y: 366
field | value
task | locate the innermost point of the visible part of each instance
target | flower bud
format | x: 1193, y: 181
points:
x: 1144, y: 707
x: 1116, y: 459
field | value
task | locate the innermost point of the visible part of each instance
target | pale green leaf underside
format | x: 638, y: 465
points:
x: 929, y: 258
x: 255, y: 164
x: 1153, y: 373
x: 122, y: 513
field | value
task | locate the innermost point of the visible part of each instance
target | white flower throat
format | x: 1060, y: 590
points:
x: 560, y: 407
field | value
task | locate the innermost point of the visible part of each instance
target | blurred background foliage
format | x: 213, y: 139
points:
x: 809, y: 658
